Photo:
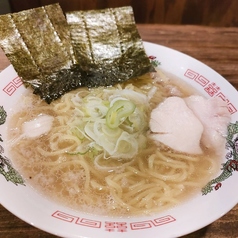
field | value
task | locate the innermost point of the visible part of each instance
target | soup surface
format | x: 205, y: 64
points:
x: 94, y: 157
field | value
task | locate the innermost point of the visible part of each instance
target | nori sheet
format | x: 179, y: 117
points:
x: 15, y: 49
x: 107, y: 45
x: 38, y: 44
x: 92, y: 48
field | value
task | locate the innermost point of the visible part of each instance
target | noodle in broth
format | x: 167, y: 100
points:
x: 156, y: 178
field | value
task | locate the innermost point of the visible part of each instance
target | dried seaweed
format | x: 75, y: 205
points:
x: 57, y: 19
x: 92, y: 48
x: 16, y: 51
x: 107, y: 45
x: 38, y: 44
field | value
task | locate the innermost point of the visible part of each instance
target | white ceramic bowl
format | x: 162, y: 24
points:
x: 198, y: 212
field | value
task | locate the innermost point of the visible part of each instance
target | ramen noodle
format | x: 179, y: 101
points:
x: 90, y: 160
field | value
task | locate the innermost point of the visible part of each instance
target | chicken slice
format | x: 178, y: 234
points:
x: 175, y: 125
x: 215, y: 117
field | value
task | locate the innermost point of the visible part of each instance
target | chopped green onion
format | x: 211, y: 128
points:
x: 119, y: 111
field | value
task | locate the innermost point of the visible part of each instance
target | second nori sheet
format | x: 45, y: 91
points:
x: 107, y: 45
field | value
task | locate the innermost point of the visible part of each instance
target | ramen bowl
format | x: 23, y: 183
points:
x: 217, y: 198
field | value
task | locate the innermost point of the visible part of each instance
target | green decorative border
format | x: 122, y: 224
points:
x: 154, y: 61
x: 6, y: 168
x: 231, y: 164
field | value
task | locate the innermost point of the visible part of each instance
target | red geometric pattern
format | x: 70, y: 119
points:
x: 12, y: 86
x: 88, y: 222
x: 223, y: 97
x: 116, y: 226
x: 210, y: 88
x: 151, y: 223
x: 163, y: 220
x: 191, y: 74
x: 230, y: 106
x: 196, y: 77
x: 65, y: 217
x: 202, y: 80
x: 142, y: 225
x: 112, y: 226
x: 77, y: 220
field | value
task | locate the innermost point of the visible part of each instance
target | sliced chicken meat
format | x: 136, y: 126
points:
x: 175, y: 125
x: 215, y: 117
